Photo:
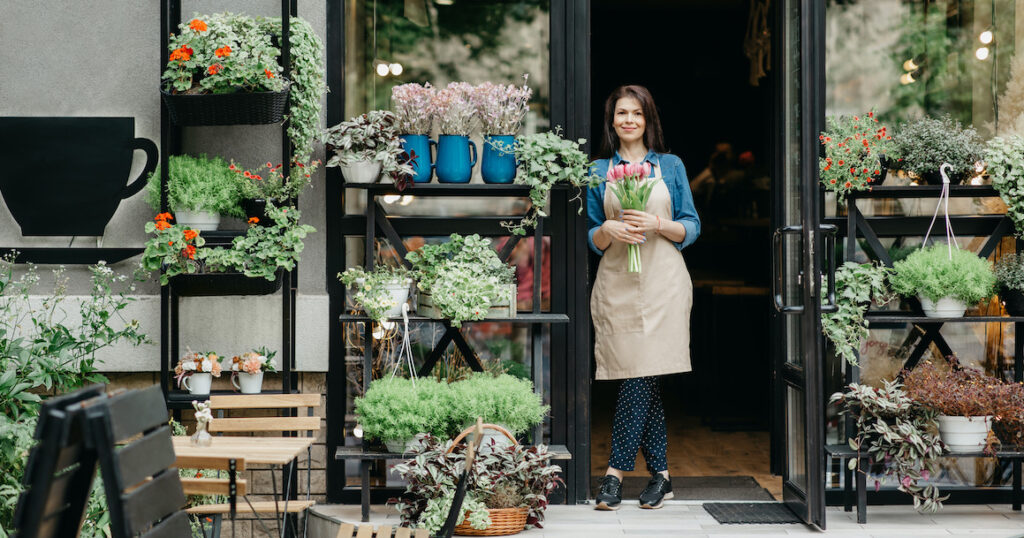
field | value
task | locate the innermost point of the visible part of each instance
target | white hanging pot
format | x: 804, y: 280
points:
x: 198, y: 382
x: 947, y: 307
x: 964, y: 434
x: 399, y: 291
x: 204, y: 221
x: 248, y: 383
x: 361, y: 171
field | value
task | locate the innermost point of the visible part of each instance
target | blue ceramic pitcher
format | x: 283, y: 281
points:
x: 499, y: 159
x: 456, y: 157
x: 424, y: 164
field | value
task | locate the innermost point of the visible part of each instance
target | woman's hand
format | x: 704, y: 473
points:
x: 640, y: 221
x: 618, y: 230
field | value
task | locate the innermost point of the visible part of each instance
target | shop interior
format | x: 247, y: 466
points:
x: 708, y: 67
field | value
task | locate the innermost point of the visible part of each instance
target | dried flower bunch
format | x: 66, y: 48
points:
x: 928, y: 142
x: 453, y: 108
x: 412, y: 104
x: 961, y: 392
x: 856, y: 149
x: 501, y: 107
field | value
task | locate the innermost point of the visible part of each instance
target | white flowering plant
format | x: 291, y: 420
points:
x: 501, y: 108
x: 453, y: 108
x: 412, y: 105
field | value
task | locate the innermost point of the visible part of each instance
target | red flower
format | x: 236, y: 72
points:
x: 190, y: 251
x: 853, y: 171
x: 848, y: 184
x: 162, y: 225
x: 163, y: 216
x: 253, y: 220
x: 877, y: 172
x: 231, y: 166
x: 841, y: 162
x: 269, y: 73
x: 248, y: 174
x: 197, y: 25
x: 214, y: 69
x: 833, y: 182
x: 223, y: 52
x: 190, y: 234
x: 269, y: 165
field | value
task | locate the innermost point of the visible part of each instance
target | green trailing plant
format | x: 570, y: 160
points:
x: 897, y: 433
x: 857, y: 285
x: 927, y: 143
x: 503, y: 399
x: 930, y: 272
x: 1004, y: 159
x: 263, y: 249
x: 197, y: 184
x: 546, y: 160
x: 371, y: 289
x: 1009, y: 271
x: 509, y: 471
x: 856, y: 149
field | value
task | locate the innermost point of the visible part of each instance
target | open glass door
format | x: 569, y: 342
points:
x: 799, y: 243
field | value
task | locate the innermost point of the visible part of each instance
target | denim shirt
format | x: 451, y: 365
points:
x: 673, y: 173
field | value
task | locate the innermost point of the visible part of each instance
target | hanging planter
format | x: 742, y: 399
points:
x: 211, y: 284
x: 239, y: 108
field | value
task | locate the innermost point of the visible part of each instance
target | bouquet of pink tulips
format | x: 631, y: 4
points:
x: 629, y: 184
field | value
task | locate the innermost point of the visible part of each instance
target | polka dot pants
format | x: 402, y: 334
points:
x: 639, y: 424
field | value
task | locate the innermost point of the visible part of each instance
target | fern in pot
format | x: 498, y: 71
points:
x: 199, y: 191
x: 944, y: 278
x: 1009, y: 272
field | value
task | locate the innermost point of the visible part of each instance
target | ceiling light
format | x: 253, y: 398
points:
x: 396, y: 69
x: 981, y: 53
x: 986, y: 37
x: 444, y: 2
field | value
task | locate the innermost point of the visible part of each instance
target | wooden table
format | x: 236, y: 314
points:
x: 255, y: 450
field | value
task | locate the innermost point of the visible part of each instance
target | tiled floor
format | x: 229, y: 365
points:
x: 690, y: 520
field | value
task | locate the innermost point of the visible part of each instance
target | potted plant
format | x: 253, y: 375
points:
x: 944, y: 278
x: 247, y: 371
x: 898, y: 434
x: 925, y: 144
x: 501, y: 109
x: 463, y: 279
x: 1004, y: 162
x: 456, y: 118
x: 267, y: 183
x: 380, y: 293
x: 199, y: 191
x: 223, y: 70
x: 547, y: 160
x: 503, y: 400
x: 394, y: 410
x: 963, y: 398
x: 515, y: 480
x: 173, y: 248
x: 366, y: 146
x: 857, y: 285
x: 1009, y: 271
x: 412, y: 104
x: 195, y: 371
x: 857, y: 150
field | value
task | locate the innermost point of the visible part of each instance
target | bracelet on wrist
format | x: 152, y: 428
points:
x: 659, y: 223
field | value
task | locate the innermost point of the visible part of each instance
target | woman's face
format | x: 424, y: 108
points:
x: 629, y: 122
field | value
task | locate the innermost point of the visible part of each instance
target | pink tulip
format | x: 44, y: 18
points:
x: 631, y: 170
x: 620, y: 172
x: 647, y: 169
x: 611, y: 176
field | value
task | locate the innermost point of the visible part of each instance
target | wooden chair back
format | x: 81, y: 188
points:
x: 144, y: 493
x: 308, y: 423
x: 59, y: 470
x: 348, y: 530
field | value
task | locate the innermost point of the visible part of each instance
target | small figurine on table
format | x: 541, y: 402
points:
x: 203, y: 418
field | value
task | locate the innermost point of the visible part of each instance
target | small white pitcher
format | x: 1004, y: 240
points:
x: 198, y: 382
x: 248, y: 383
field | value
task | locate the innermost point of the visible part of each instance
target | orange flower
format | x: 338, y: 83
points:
x: 223, y: 51
x: 253, y: 220
x: 214, y: 69
x: 171, y: 243
x: 270, y: 74
x: 162, y: 225
x: 197, y: 25
x: 190, y: 251
x: 190, y: 234
x: 183, y: 53
x: 163, y: 216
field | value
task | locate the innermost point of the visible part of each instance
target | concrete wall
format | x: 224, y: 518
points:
x: 101, y: 58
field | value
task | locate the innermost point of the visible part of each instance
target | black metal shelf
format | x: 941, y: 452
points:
x: 910, y: 317
x: 448, y: 189
x: 558, y: 452
x: 1008, y: 452
x: 70, y: 255
x: 520, y: 318
x: 925, y: 191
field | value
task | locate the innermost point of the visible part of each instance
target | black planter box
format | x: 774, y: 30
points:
x: 242, y: 108
x: 212, y: 284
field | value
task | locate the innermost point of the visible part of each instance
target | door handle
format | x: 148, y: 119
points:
x: 778, y: 280
x: 829, y: 231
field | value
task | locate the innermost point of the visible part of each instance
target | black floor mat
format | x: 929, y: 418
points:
x: 697, y: 488
x: 740, y: 513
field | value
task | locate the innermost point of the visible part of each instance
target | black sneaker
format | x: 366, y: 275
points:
x: 610, y: 496
x: 657, y: 490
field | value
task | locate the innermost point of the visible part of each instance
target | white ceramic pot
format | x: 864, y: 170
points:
x: 248, y: 383
x: 400, y: 446
x: 493, y: 438
x: 947, y: 307
x: 204, y: 221
x: 361, y: 171
x: 198, y: 382
x: 400, y: 294
x: 964, y: 434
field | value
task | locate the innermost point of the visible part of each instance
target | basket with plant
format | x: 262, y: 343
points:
x: 944, y: 278
x: 380, y: 292
x: 199, y: 191
x: 965, y: 399
x: 858, y: 150
x: 925, y: 144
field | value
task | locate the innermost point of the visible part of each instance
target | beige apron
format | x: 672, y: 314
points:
x: 642, y: 320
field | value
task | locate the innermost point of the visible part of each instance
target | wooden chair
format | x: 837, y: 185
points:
x: 230, y: 487
x: 144, y: 493
x: 59, y: 471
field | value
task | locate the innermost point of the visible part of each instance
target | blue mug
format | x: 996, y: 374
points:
x: 456, y: 157
x: 423, y: 165
x: 499, y: 160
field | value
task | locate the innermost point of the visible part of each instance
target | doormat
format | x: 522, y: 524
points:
x: 741, y: 513
x: 696, y: 488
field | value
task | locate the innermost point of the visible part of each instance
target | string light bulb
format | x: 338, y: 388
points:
x: 382, y: 69
x: 396, y: 69
x: 986, y: 37
x: 981, y: 53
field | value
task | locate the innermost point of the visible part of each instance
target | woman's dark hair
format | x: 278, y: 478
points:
x: 653, y: 136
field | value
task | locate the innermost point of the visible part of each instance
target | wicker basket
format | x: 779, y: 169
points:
x: 242, y: 108
x: 504, y: 521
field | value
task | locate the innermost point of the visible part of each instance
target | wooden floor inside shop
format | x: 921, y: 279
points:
x: 694, y: 449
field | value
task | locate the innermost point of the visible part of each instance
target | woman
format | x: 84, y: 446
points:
x: 641, y: 320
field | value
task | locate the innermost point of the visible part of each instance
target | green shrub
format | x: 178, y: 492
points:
x: 931, y: 273
x: 505, y: 400
x: 1009, y: 271
x: 928, y: 142
x: 197, y: 184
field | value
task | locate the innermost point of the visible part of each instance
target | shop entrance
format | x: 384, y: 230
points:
x: 695, y: 57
